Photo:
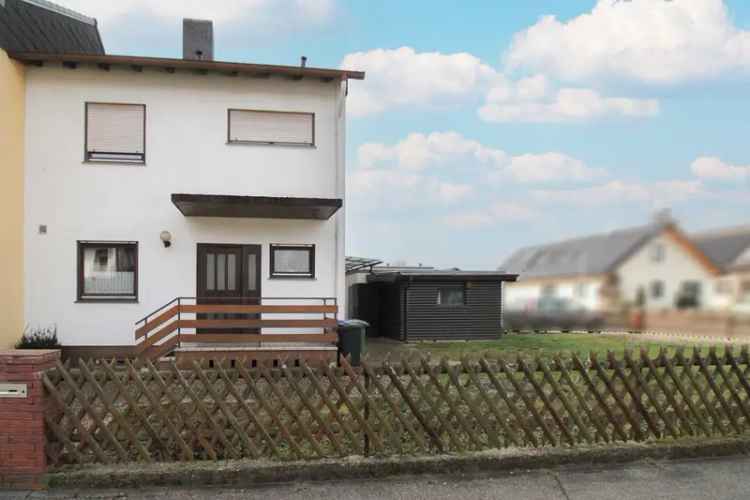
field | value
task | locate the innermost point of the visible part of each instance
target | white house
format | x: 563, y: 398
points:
x: 657, y: 265
x: 148, y: 179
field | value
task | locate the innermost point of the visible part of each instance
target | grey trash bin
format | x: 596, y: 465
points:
x: 352, y: 339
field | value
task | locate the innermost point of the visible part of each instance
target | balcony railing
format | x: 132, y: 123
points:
x: 228, y: 320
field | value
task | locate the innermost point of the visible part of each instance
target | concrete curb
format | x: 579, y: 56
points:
x: 247, y: 473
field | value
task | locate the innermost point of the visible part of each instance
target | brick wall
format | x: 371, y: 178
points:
x: 22, y: 438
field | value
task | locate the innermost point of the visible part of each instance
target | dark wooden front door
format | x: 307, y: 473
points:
x: 228, y: 274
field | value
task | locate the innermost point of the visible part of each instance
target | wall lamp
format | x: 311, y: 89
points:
x: 166, y: 238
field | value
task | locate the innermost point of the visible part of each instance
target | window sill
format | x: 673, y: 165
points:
x: 274, y: 144
x: 121, y: 163
x: 306, y: 278
x: 106, y: 301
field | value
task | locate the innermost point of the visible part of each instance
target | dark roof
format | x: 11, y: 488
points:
x: 263, y: 207
x: 724, y: 247
x: 440, y: 275
x: 41, y: 26
x: 596, y: 254
x: 229, y: 68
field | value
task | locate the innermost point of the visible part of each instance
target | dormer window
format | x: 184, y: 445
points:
x: 271, y: 127
x: 115, y: 133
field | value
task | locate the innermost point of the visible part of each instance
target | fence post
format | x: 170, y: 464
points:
x: 367, y: 414
x: 23, y: 461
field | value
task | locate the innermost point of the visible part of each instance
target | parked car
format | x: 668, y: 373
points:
x: 551, y: 313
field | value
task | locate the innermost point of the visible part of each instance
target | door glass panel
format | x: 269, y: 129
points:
x: 210, y: 271
x: 221, y: 269
x: 252, y: 273
x: 231, y: 271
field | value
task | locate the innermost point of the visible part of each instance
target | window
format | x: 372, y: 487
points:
x: 582, y: 290
x: 724, y: 287
x: 451, y: 296
x: 115, y: 132
x: 271, y: 127
x: 745, y: 292
x: 657, y: 289
x: 549, y: 290
x: 107, y: 271
x: 292, y: 261
x: 657, y: 253
x: 689, y: 295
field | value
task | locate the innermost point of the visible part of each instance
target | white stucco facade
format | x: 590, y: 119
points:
x: 676, y: 267
x: 186, y: 152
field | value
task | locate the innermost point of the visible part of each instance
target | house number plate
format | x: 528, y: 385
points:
x: 13, y: 390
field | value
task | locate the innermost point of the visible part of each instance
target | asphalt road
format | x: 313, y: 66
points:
x: 725, y: 478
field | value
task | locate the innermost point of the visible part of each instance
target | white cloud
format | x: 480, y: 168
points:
x: 712, y: 168
x: 653, y: 41
x: 418, y: 152
x: 547, y: 167
x: 398, y: 189
x: 398, y: 77
x: 227, y: 10
x: 533, y: 100
x: 496, y: 213
x: 655, y: 194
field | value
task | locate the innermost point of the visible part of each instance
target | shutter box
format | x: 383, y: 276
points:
x: 271, y: 127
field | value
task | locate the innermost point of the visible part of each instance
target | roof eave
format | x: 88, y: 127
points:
x: 170, y: 64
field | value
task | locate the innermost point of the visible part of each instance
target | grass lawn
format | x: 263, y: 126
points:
x: 530, y: 345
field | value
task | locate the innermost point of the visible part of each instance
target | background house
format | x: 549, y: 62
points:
x: 657, y: 265
x: 26, y: 26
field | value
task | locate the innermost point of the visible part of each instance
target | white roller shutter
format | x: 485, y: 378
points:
x: 115, y: 131
x: 271, y: 127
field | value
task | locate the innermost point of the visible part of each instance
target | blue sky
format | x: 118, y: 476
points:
x: 485, y: 126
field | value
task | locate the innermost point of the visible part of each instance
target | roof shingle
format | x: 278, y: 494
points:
x: 41, y: 26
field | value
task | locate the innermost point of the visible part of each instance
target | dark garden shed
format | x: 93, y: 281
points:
x: 431, y: 304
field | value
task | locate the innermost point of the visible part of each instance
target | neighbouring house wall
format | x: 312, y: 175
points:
x: 676, y: 267
x: 186, y: 152
x: 12, y: 103
x: 583, y: 290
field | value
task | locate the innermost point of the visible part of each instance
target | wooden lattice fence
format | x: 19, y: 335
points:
x: 102, y: 412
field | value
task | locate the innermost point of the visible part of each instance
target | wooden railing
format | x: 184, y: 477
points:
x: 184, y: 319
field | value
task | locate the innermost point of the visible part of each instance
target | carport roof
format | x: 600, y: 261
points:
x: 441, y: 275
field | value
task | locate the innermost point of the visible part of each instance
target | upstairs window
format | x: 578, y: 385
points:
x: 115, y: 132
x: 271, y: 127
x: 107, y: 271
x: 451, y: 296
x: 657, y: 253
x: 292, y: 261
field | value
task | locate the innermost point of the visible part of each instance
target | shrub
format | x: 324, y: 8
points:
x: 39, y: 338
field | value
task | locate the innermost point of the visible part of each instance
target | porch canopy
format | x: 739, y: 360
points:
x: 262, y: 207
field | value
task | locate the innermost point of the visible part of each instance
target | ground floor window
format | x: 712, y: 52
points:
x: 107, y: 271
x: 657, y: 289
x: 689, y: 296
x: 451, y: 296
x: 292, y: 261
